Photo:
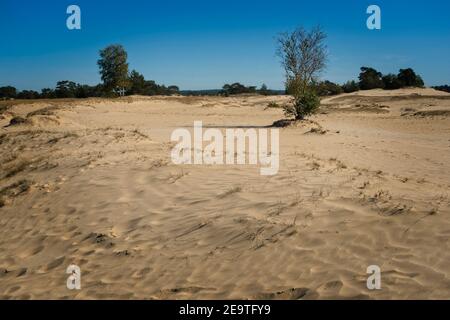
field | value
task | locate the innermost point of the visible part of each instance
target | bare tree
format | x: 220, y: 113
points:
x: 303, y: 56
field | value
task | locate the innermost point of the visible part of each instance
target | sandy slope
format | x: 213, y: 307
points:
x: 91, y: 182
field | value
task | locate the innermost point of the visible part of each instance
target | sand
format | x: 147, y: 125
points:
x: 90, y: 182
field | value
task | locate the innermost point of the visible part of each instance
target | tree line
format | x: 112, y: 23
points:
x: 369, y: 78
x: 303, y: 55
x: 238, y: 88
x: 116, y: 80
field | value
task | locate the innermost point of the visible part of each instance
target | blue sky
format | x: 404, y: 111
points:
x: 201, y: 44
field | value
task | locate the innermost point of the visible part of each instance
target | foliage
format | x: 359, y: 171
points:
x: 8, y: 92
x: 237, y: 88
x: 445, y: 88
x: 303, y: 57
x: 350, y: 86
x: 391, y: 82
x: 136, y: 83
x: 264, y: 90
x: 409, y: 78
x: 303, y: 105
x: 328, y: 88
x: 113, y: 67
x: 28, y: 94
x: 370, y: 78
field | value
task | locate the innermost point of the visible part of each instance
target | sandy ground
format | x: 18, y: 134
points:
x: 91, y: 183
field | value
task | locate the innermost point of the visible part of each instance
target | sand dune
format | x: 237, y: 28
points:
x: 91, y: 183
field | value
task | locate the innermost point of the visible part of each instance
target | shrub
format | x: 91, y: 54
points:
x: 328, y: 88
x: 303, y: 105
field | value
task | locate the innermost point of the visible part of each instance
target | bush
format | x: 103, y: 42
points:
x: 303, y: 106
x: 328, y: 88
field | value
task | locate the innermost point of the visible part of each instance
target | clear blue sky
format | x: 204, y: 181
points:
x: 200, y: 44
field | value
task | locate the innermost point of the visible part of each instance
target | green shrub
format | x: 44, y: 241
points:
x: 328, y: 88
x: 303, y: 105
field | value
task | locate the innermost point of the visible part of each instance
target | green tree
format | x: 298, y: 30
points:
x: 370, y: 78
x: 48, y: 93
x: 114, y: 68
x: 409, y: 78
x: 350, y: 86
x: 264, y: 90
x: 173, y: 89
x: 8, y: 92
x: 237, y: 88
x: 66, y: 89
x: 136, y: 83
x: 445, y: 88
x: 391, y: 82
x: 28, y: 94
x: 303, y: 57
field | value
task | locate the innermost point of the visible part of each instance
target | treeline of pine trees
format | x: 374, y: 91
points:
x: 136, y: 84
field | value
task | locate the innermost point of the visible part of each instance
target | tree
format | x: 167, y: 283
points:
x: 8, y: 92
x: 237, y: 88
x: 28, y: 94
x: 65, y: 89
x: 83, y: 91
x: 136, y: 82
x: 264, y: 90
x: 350, y: 86
x: 409, y: 78
x: 303, y: 57
x: 113, y: 68
x: 370, y: 78
x: 445, y: 88
x: 48, y: 93
x: 173, y: 89
x: 391, y: 82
